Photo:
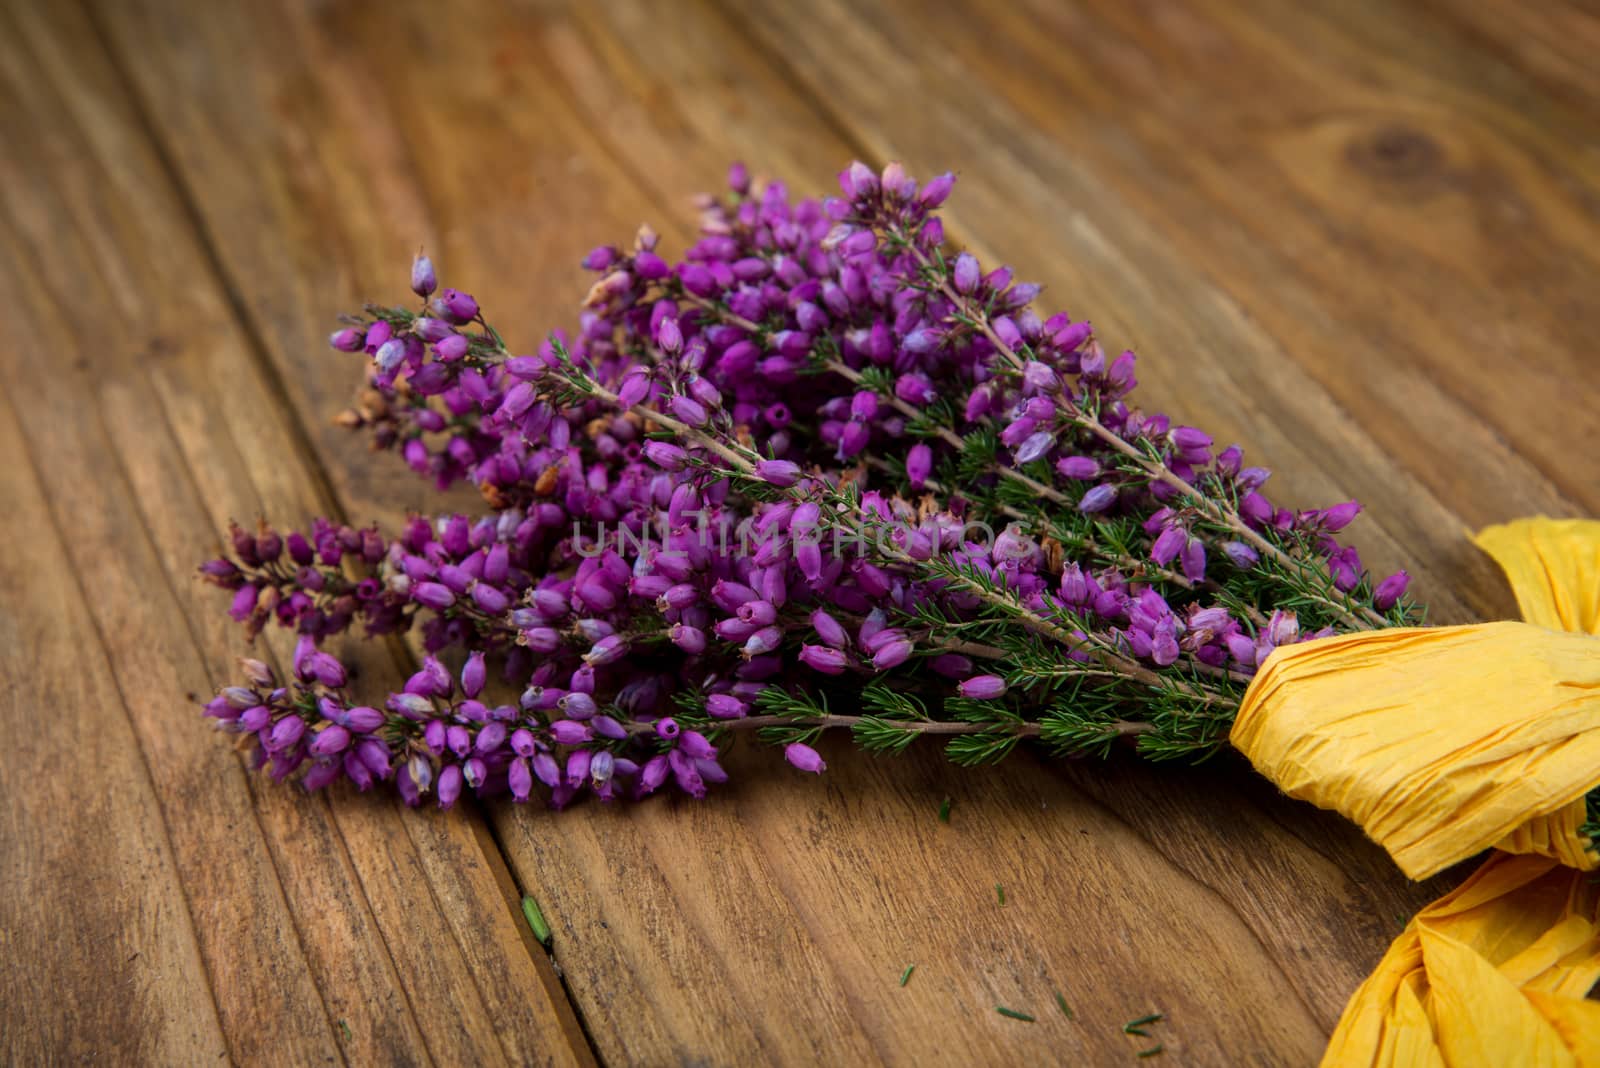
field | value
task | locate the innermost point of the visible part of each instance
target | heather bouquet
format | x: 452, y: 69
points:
x: 824, y: 472
x: 827, y: 473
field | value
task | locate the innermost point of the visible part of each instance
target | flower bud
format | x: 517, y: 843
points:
x: 919, y: 465
x: 652, y: 775
x: 520, y: 779
x: 1035, y: 446
x: 1339, y: 516
x: 545, y: 769
x: 781, y: 473
x: 491, y: 736
x: 936, y: 191
x: 915, y: 389
x: 433, y: 595
x: 691, y: 640
x: 823, y: 658
x: 665, y: 455
x: 456, y: 306
x: 829, y: 629
x: 1078, y: 468
x: 726, y: 706
x: 348, y: 340
x: 363, y: 720
x: 804, y: 757
x: 285, y: 733
x: 390, y: 355
x: 966, y: 273
x: 423, y: 279
x: 607, y: 650
x: 410, y: 705
x: 577, y: 706
x: 569, y: 732
x: 688, y: 410
x: 449, y: 785
x: 1168, y: 544
x: 258, y: 673
x: 1098, y: 499
x: 1240, y: 555
x: 892, y: 654
x: 1390, y: 590
x: 331, y: 740
x: 669, y: 337
x: 983, y: 687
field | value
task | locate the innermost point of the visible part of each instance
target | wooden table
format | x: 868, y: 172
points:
x: 1361, y: 239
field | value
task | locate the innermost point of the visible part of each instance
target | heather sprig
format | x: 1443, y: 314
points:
x: 822, y: 473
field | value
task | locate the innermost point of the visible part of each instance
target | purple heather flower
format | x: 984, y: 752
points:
x: 1168, y: 544
x: 828, y: 629
x: 452, y: 348
x: 432, y: 330
x: 331, y: 740
x: 348, y: 340
x: 491, y: 736
x: 804, y: 757
x: 892, y: 654
x: 363, y: 720
x: 1256, y: 508
x: 423, y: 279
x: 666, y: 456
x: 286, y: 733
x: 691, y: 640
x: 937, y: 190
x: 1035, y: 446
x: 919, y: 465
x: 1339, y: 516
x: 456, y: 306
x: 726, y: 706
x: 578, y: 706
x: 1390, y: 590
x: 1098, y: 499
x: 433, y: 595
x: 473, y: 675
x: 390, y: 355
x: 569, y: 732
x: 966, y: 273
x: 983, y: 687
x: 823, y: 658
x: 669, y: 337
x: 652, y: 775
x: 781, y: 473
x: 519, y: 777
x: 449, y: 785
x: 607, y: 650
x: 545, y: 768
x: 1241, y: 555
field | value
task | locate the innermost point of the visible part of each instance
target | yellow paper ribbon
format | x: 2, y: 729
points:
x: 1442, y: 742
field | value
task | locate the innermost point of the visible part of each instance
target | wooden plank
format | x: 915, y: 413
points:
x: 680, y: 926
x: 679, y: 923
x: 327, y: 931
x: 100, y: 955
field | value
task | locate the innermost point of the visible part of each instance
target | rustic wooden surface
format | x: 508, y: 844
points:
x: 1360, y: 240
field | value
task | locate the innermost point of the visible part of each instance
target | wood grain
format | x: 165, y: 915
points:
x: 1359, y: 245
x: 327, y: 931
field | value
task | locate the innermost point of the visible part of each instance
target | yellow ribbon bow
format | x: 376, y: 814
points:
x: 1442, y: 742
